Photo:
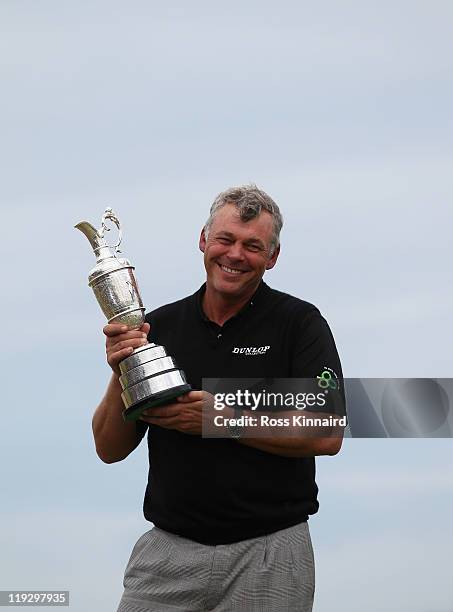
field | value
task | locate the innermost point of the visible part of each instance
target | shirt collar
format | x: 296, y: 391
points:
x: 254, y: 301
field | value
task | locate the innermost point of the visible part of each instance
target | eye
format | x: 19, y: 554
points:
x: 224, y: 240
x: 254, y: 248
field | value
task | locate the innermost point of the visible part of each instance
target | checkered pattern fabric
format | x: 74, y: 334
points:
x: 273, y: 573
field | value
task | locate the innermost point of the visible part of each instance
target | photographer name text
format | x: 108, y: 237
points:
x: 299, y: 420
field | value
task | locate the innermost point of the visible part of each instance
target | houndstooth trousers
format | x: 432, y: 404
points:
x: 273, y: 573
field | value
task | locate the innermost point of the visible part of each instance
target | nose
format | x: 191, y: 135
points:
x: 235, y: 252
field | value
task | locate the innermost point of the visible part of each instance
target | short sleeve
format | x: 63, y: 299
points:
x: 315, y: 356
x: 142, y: 428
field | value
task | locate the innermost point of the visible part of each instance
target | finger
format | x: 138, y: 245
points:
x: 129, y: 342
x: 186, y: 407
x: 115, y: 358
x: 113, y: 329
x: 191, y: 396
x: 112, y: 340
x: 188, y: 411
x: 170, y: 410
x: 145, y: 328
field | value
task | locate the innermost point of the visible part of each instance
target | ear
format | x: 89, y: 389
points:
x: 202, y: 241
x: 273, y: 260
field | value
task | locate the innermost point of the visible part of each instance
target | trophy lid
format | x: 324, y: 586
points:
x: 106, y: 255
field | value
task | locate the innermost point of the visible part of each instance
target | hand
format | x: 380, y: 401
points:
x: 121, y: 342
x: 185, y: 415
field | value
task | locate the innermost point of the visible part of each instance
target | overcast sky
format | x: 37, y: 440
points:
x: 342, y: 112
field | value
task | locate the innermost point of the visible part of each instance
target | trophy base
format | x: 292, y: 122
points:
x: 161, y: 398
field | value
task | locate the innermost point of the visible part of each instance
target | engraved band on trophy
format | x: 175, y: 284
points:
x: 149, y: 377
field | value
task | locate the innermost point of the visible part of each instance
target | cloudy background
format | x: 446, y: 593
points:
x: 342, y: 112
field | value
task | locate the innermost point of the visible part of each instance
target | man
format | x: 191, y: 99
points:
x: 230, y: 515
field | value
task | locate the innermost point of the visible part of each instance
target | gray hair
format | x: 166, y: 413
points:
x: 249, y: 201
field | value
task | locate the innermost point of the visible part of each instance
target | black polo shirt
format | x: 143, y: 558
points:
x: 218, y: 491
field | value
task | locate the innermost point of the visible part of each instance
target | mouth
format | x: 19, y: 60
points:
x: 231, y: 271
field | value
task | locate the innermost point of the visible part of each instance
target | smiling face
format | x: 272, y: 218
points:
x: 237, y: 253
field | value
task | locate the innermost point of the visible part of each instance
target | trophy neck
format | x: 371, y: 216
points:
x: 98, y: 244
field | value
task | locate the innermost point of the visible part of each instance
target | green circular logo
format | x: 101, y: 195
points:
x: 326, y: 380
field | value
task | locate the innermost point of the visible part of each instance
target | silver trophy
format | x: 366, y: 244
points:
x: 149, y: 377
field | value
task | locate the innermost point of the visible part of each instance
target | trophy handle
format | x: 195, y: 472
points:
x: 111, y: 216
